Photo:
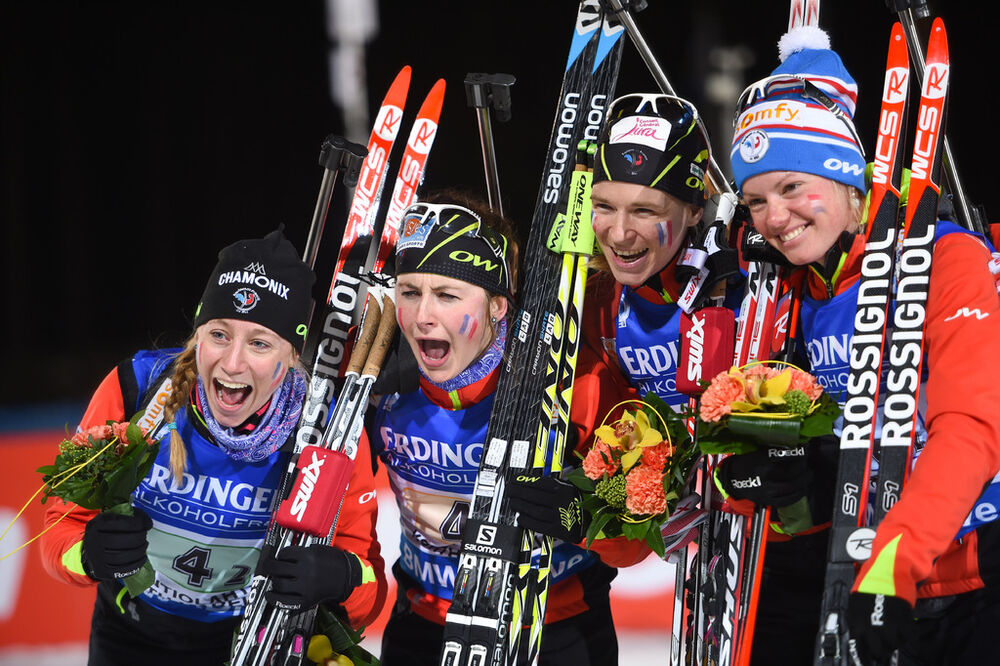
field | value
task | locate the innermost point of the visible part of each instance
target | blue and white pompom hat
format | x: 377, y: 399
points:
x: 800, y: 117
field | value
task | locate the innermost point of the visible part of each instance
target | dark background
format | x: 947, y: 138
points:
x: 138, y: 138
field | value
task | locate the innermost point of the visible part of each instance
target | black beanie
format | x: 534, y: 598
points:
x: 262, y: 280
x: 657, y: 141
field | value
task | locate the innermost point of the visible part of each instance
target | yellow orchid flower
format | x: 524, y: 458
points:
x: 760, y: 391
x: 631, y: 434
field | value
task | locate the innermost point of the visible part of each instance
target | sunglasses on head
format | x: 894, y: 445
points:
x: 656, y: 104
x: 453, y: 220
x: 783, y: 84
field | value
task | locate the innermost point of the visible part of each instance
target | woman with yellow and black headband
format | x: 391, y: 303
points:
x: 456, y: 267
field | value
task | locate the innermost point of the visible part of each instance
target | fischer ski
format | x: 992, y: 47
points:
x: 849, y: 538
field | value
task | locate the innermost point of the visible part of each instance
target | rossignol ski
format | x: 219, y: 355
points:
x: 337, y: 320
x: 850, y: 540
x: 276, y: 635
x: 378, y: 324
x: 495, y: 572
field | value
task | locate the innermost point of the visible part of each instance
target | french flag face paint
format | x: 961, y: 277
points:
x: 816, y: 203
x: 665, y: 232
x: 469, y: 326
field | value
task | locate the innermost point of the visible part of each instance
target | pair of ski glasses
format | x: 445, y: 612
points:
x: 453, y: 221
x: 678, y: 111
x: 786, y: 84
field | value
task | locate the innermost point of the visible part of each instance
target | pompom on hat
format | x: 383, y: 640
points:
x: 801, y: 117
x: 264, y: 281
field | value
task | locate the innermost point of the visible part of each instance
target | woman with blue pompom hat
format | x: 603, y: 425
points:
x: 799, y: 165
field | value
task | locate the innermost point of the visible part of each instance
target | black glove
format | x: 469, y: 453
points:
x: 548, y: 505
x: 303, y: 576
x: 767, y: 477
x: 878, y: 625
x: 114, y: 546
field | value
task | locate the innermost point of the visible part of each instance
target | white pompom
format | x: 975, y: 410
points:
x: 800, y: 38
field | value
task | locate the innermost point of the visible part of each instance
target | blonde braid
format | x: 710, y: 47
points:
x: 185, y: 375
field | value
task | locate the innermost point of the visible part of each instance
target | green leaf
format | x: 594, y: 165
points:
x: 770, y: 431
x: 580, y: 479
x: 655, y: 541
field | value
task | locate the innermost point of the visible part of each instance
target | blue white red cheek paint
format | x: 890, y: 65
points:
x: 816, y: 201
x: 276, y: 377
x: 665, y: 232
x: 469, y: 325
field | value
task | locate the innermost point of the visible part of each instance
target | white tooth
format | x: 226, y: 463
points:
x: 230, y: 385
x: 793, y: 234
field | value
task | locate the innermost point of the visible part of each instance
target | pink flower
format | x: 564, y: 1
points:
x: 118, y: 430
x: 803, y: 381
x: 644, y: 494
x: 657, y: 456
x: 760, y: 370
x: 717, y: 399
x: 97, y: 432
x: 599, y: 461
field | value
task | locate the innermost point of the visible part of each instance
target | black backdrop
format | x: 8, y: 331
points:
x: 138, y: 138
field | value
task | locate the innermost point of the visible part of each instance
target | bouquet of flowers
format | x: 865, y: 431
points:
x: 760, y: 405
x: 763, y: 405
x: 99, y: 469
x: 636, y: 472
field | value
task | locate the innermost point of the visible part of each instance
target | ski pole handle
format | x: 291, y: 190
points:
x: 383, y: 337
x: 369, y: 327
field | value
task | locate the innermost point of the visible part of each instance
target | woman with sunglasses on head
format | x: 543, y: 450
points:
x: 648, y: 197
x: 230, y: 401
x: 456, y: 269
x: 801, y: 172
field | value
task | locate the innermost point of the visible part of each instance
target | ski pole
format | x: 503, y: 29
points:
x: 908, y: 12
x: 485, y: 92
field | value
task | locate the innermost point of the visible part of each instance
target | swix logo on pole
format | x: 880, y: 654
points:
x: 696, y: 344
x: 310, y: 473
x: 319, y: 490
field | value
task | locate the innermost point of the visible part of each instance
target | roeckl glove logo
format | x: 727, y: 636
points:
x: 878, y: 610
x: 786, y: 453
x: 747, y: 483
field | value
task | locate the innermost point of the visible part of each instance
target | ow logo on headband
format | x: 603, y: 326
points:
x: 466, y: 257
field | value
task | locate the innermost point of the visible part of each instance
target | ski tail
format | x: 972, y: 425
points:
x: 345, y: 285
x: 411, y: 171
x: 803, y: 12
x: 850, y: 539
